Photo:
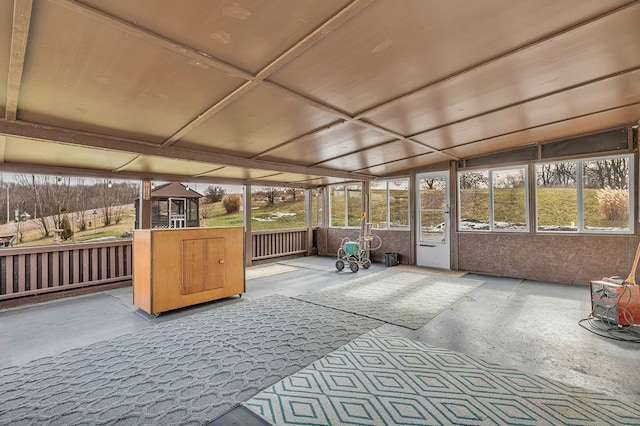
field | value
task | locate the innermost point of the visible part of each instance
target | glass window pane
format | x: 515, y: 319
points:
x: 316, y: 207
x: 336, y: 199
x: 378, y: 205
x: 557, y: 196
x: 432, y: 194
x: 354, y: 204
x: 399, y: 203
x: 606, y: 194
x: 432, y: 226
x: 474, y: 200
x: 509, y: 199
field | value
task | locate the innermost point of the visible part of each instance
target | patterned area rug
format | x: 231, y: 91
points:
x: 382, y: 379
x: 402, y: 298
x: 267, y: 271
x: 187, y: 371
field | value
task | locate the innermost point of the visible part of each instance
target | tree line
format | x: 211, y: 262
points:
x: 50, y: 199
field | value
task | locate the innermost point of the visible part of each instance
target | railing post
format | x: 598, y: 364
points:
x: 308, y: 193
x: 246, y: 214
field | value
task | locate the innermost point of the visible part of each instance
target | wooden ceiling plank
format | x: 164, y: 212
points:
x: 299, y: 138
x: 532, y: 99
x: 340, y: 114
x: 539, y: 126
x: 19, y: 35
x: 474, y: 67
x: 315, y: 36
x: 26, y: 130
x: 152, y: 37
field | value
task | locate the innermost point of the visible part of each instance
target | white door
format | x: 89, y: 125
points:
x: 433, y: 245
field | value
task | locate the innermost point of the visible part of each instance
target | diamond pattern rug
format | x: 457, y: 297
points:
x: 406, y: 299
x: 187, y: 371
x: 383, y: 379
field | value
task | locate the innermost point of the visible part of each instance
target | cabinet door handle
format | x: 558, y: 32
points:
x: 221, y: 261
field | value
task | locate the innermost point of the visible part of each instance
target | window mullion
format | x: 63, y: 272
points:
x: 580, y: 194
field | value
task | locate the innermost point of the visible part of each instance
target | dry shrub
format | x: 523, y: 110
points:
x: 232, y: 203
x: 613, y: 204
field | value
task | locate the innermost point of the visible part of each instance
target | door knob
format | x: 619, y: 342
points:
x: 221, y: 261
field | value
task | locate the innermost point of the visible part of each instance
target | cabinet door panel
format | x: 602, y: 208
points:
x: 203, y: 266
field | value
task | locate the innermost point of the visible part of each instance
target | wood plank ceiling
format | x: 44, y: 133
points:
x: 304, y: 92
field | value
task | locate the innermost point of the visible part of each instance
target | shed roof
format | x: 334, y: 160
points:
x: 174, y: 190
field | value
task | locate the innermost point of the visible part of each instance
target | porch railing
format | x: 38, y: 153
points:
x: 42, y: 269
x: 277, y: 243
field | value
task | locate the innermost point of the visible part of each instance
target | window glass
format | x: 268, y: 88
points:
x: 606, y: 194
x: 336, y: 208
x: 399, y: 203
x: 474, y: 200
x: 557, y: 196
x: 509, y: 199
x: 389, y: 204
x: 354, y: 204
x: 378, y: 205
x: 590, y: 195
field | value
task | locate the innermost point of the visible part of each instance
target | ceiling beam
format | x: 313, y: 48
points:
x: 19, y: 35
x: 297, y: 49
x: 475, y: 67
x: 21, y: 129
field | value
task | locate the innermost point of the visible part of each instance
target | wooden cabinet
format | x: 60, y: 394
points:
x: 174, y: 268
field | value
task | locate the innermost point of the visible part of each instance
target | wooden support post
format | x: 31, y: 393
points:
x: 246, y: 215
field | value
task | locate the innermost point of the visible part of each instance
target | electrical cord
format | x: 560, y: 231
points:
x: 602, y: 327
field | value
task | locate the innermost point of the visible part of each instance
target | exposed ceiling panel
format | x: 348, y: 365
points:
x: 373, y: 156
x: 247, y: 34
x: 556, y: 131
x: 568, y: 104
x: 573, y: 58
x: 160, y: 165
x: 301, y: 91
x: 320, y: 146
x: 239, y: 173
x: 258, y: 121
x: 26, y: 151
x: 85, y: 74
x: 393, y: 48
x: 412, y: 163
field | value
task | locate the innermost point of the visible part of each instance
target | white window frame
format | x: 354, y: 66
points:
x: 388, y: 207
x: 490, y: 172
x: 580, y: 195
x: 345, y: 223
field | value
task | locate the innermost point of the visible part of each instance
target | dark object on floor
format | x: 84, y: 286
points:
x: 391, y: 259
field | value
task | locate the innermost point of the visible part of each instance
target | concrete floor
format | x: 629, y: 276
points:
x: 530, y: 326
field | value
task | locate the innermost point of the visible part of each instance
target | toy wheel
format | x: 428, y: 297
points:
x: 339, y: 265
x: 354, y: 267
x: 366, y: 264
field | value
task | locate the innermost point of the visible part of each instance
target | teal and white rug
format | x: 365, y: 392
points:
x: 187, y: 371
x: 383, y: 379
x: 406, y: 299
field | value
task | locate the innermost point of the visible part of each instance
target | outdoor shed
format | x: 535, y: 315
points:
x: 173, y: 205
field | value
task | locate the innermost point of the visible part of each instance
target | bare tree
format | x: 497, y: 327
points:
x: 112, y: 198
x: 49, y: 196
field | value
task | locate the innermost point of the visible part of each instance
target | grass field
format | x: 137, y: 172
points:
x: 556, y: 207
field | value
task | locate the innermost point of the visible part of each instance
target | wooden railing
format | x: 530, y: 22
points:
x: 277, y: 243
x: 42, y: 269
